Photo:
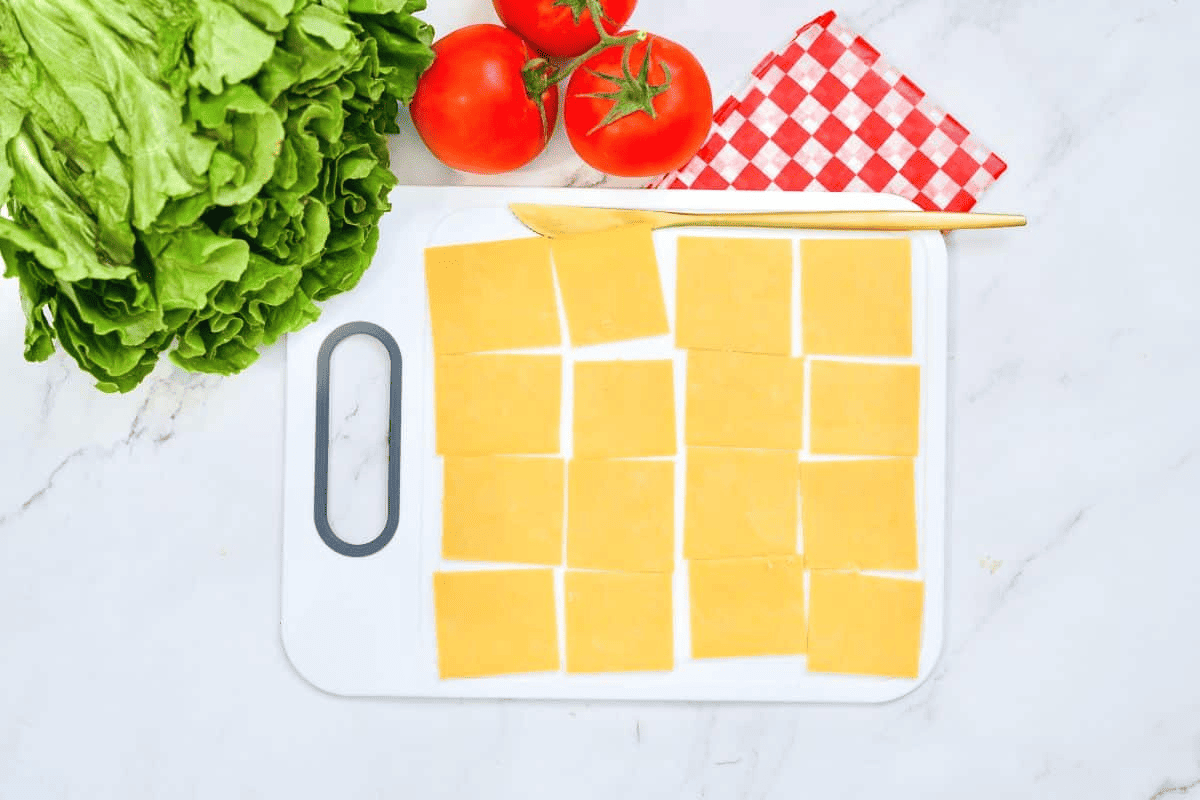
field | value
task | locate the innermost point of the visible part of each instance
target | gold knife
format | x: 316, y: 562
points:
x: 565, y: 220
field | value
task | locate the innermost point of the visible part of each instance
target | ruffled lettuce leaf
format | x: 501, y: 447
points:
x: 191, y: 177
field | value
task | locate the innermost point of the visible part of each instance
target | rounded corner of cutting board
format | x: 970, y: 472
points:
x: 303, y: 666
x: 906, y: 689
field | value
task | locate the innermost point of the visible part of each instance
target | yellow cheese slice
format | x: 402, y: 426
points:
x: 618, y: 622
x: 621, y: 515
x: 495, y: 622
x: 624, y: 409
x: 856, y: 297
x: 859, y: 514
x: 498, y: 404
x: 734, y: 294
x: 610, y: 285
x: 740, y: 503
x: 492, y: 296
x: 497, y: 508
x: 744, y: 400
x: 865, y: 409
x: 864, y: 625
x: 747, y: 607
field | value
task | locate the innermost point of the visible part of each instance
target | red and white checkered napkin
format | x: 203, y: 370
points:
x: 829, y: 113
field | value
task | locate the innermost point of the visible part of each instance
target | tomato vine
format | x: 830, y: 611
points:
x: 633, y: 93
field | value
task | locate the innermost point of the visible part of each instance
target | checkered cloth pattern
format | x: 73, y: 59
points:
x: 828, y: 113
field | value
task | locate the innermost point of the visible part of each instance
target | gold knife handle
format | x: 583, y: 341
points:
x: 851, y: 220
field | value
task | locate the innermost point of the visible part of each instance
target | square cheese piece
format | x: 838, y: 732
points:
x: 492, y: 296
x: 740, y: 503
x: 744, y: 400
x: 865, y: 409
x: 497, y: 508
x: 864, y: 625
x: 621, y: 515
x: 747, y: 607
x: 624, y: 409
x: 856, y: 297
x: 610, y: 285
x: 498, y: 404
x: 859, y: 514
x: 495, y: 622
x: 734, y: 294
x: 618, y: 622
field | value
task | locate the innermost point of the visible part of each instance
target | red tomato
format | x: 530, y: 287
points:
x: 638, y: 144
x: 471, y: 108
x: 562, y: 28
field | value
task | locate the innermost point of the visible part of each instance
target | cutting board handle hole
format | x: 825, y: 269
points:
x: 358, y: 397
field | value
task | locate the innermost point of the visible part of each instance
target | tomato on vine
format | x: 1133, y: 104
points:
x: 638, y: 123
x: 485, y: 106
x: 637, y: 104
x: 562, y: 28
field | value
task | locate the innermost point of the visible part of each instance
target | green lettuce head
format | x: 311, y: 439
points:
x: 193, y: 176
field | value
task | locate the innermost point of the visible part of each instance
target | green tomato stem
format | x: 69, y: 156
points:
x: 634, y: 93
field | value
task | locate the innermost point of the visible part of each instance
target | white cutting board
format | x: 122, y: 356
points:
x: 358, y: 610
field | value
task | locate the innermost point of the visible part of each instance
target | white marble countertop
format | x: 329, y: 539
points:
x: 140, y: 534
